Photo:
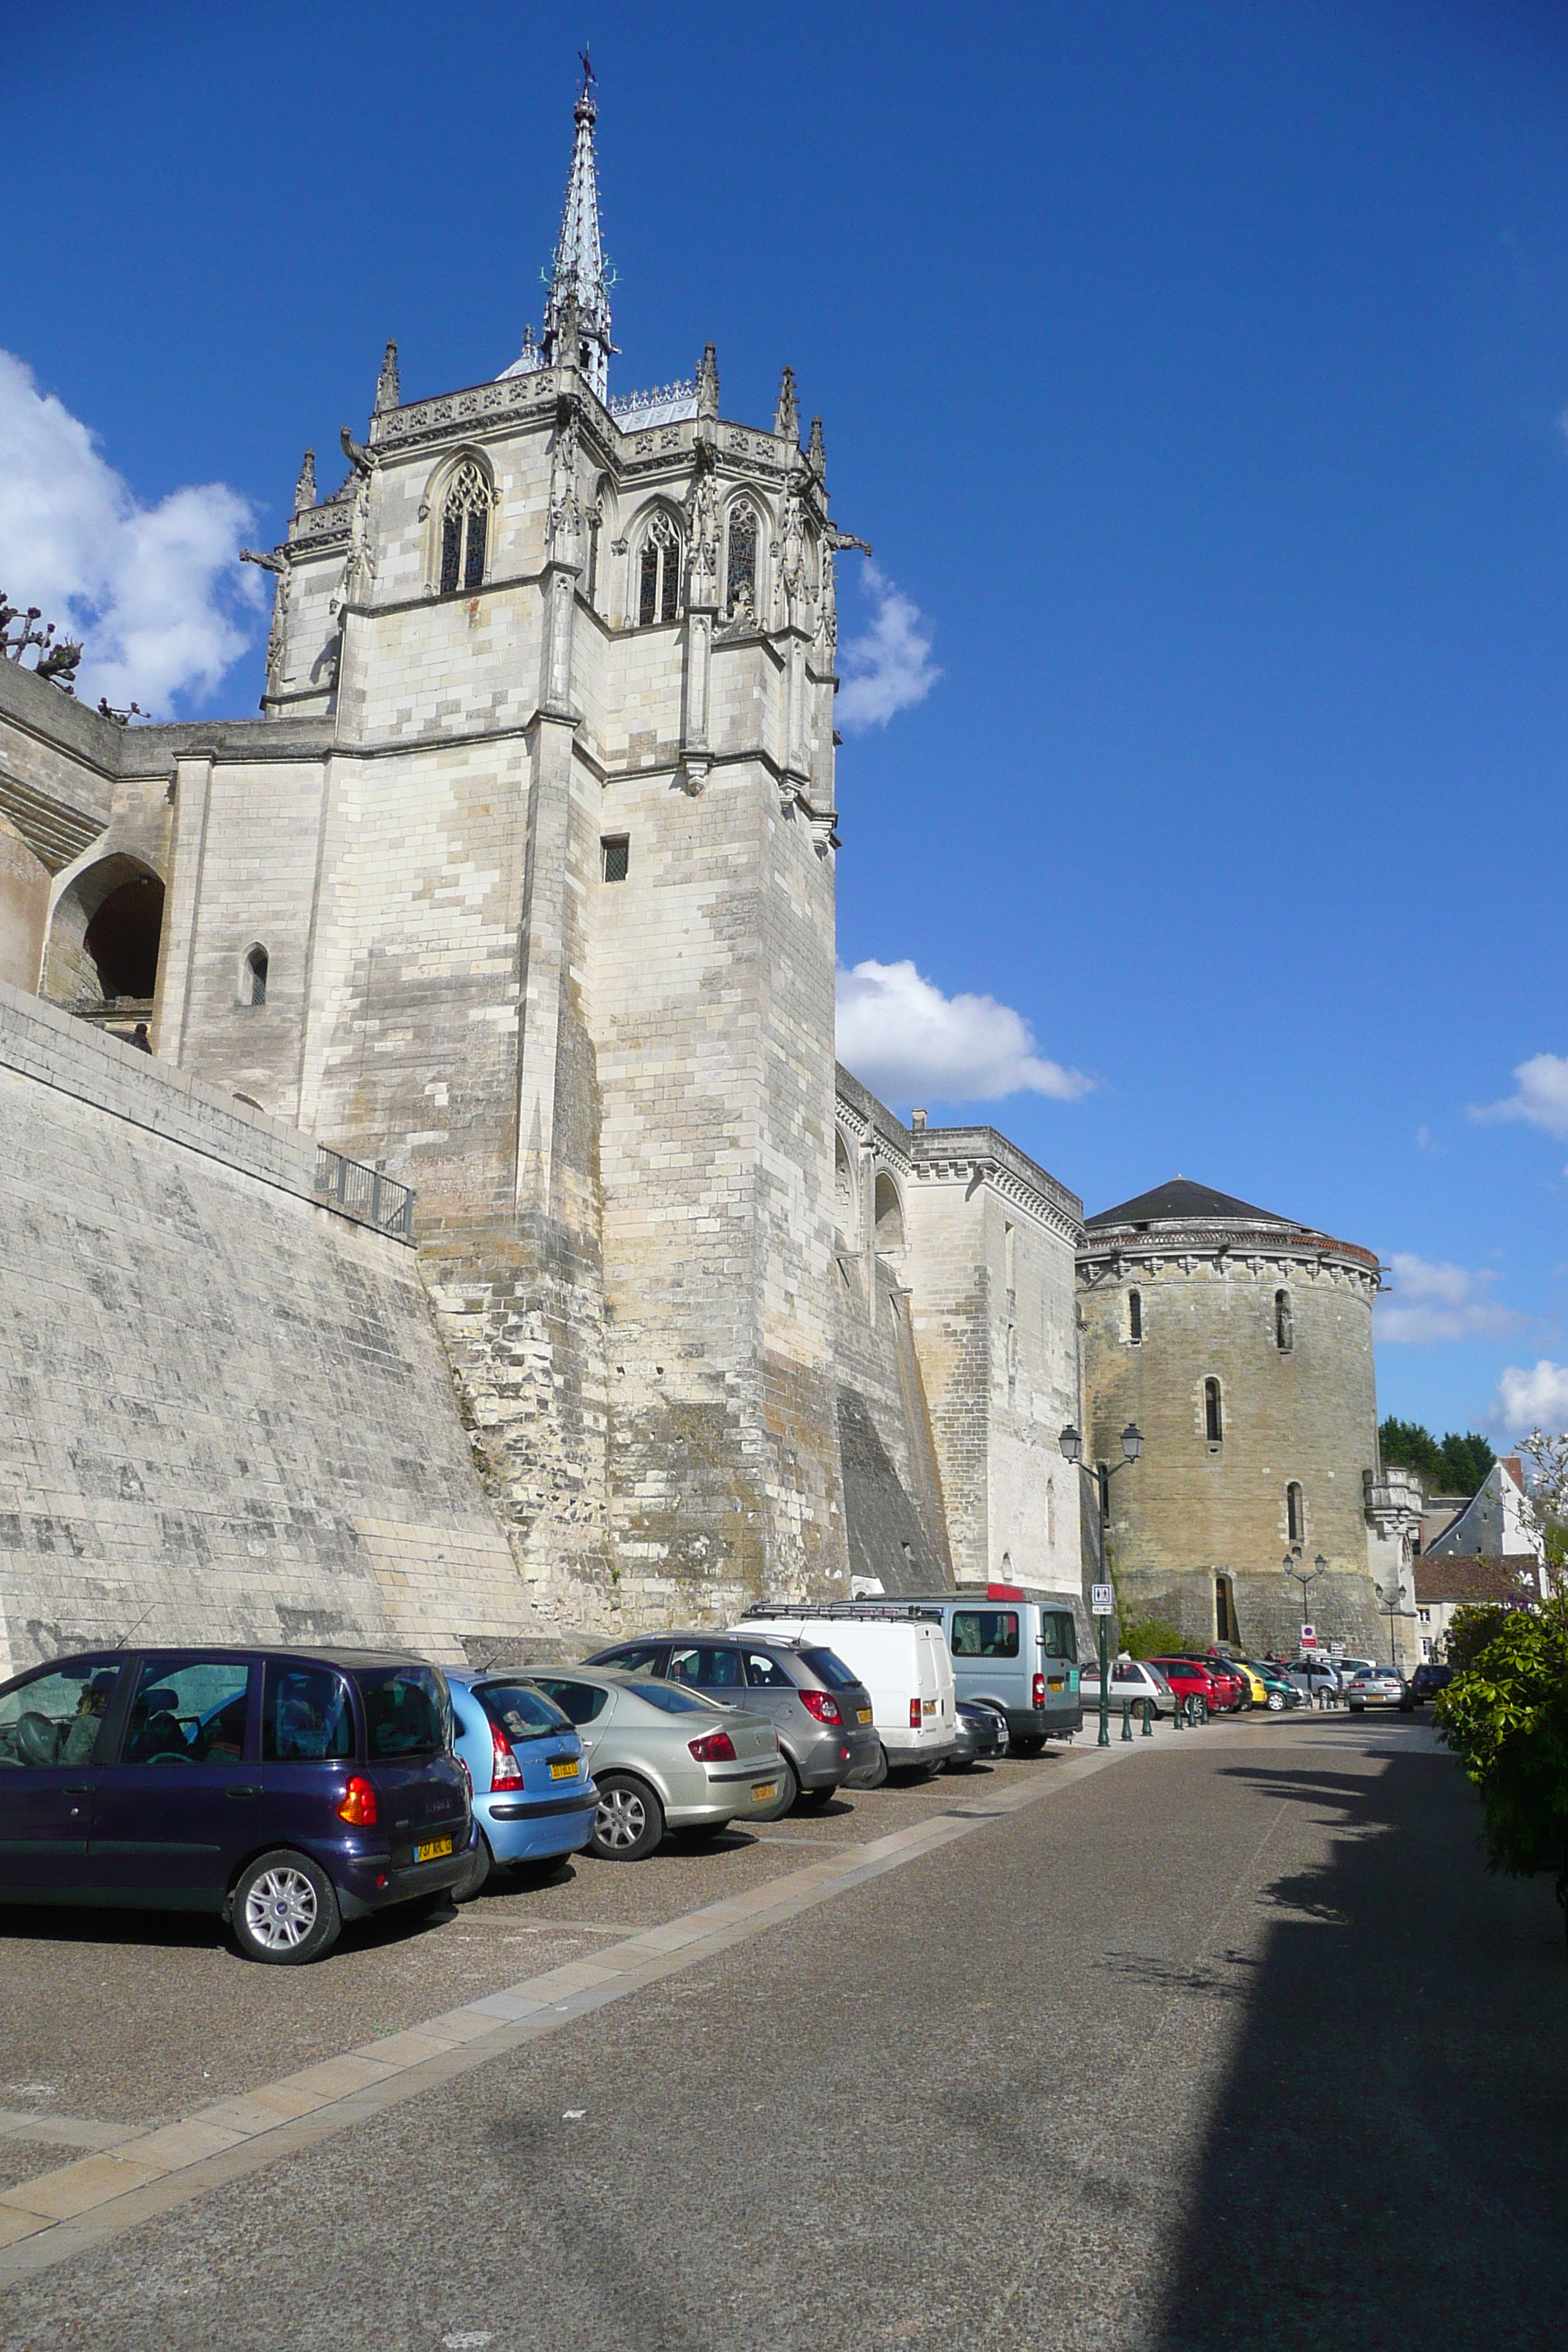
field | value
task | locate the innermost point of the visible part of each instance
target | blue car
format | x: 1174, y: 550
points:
x: 532, y: 1796
x: 286, y: 1791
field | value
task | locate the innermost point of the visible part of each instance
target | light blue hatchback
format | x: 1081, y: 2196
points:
x: 533, y: 1796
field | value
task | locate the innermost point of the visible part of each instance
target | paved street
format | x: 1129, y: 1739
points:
x: 1214, y: 2035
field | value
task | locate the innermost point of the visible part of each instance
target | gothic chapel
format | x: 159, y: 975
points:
x: 521, y: 889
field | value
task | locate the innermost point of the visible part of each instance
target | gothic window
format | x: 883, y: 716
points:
x: 1295, y: 1514
x: 740, y: 562
x: 1135, y: 1316
x: 465, y: 523
x: 615, y: 856
x: 254, y: 982
x: 1282, y: 1332
x: 1213, y: 1418
x: 658, y: 576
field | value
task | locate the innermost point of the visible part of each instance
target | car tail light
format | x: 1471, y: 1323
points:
x: 358, y: 1807
x: 506, y: 1772
x: 819, y: 1703
x: 1039, y: 1690
x: 714, y: 1747
x: 914, y: 1714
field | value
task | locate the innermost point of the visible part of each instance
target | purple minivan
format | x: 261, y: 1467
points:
x: 286, y: 1789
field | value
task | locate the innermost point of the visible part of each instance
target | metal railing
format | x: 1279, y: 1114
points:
x: 365, y: 1192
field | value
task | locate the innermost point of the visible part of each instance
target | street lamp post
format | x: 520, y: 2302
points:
x: 1071, y: 1444
x: 1303, y: 1577
x: 1389, y: 1606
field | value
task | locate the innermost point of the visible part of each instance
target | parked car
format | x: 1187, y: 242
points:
x: 1347, y: 1669
x: 900, y: 1658
x: 1189, y: 1680
x: 285, y: 1791
x: 1143, y: 1684
x: 1013, y: 1646
x: 1312, y: 1676
x: 1375, y: 1687
x: 820, y: 1710
x: 1229, y: 1680
x: 663, y: 1757
x: 535, y: 1798
x: 982, y: 1735
x: 1279, y: 1693
x: 1426, y: 1682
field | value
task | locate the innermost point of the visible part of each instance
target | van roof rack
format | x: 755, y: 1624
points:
x: 905, y: 1609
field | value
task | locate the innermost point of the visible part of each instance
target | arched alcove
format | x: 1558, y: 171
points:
x: 104, y: 937
x: 889, y: 1214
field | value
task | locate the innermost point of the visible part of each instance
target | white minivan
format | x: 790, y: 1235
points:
x: 903, y: 1659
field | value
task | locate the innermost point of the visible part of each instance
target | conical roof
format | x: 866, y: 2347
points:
x: 1180, y: 1201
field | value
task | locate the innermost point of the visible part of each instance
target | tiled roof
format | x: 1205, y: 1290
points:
x: 1494, y: 1579
x: 1182, y: 1198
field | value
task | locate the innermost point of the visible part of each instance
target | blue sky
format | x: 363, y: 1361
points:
x: 1199, y: 374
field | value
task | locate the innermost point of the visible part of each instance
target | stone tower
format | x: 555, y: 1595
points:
x: 525, y: 888
x: 1240, y: 1342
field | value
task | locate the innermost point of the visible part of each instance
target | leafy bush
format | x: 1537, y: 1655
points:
x: 1473, y: 1629
x: 1505, y: 1715
x: 1151, y: 1637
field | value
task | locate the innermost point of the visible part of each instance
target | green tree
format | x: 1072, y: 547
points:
x: 1454, y: 1465
x: 1505, y: 1715
x: 1152, y: 1637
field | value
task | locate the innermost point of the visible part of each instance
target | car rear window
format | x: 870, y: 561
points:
x: 306, y: 1717
x: 984, y: 1634
x: 672, y: 1699
x: 407, y: 1714
x: 519, y: 1712
x: 1058, y: 1637
x: 829, y: 1667
x: 581, y: 1702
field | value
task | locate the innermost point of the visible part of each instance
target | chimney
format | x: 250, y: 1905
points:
x: 916, y: 1122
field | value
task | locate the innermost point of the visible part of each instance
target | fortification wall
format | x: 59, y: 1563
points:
x: 228, y: 1413
x: 892, y: 1490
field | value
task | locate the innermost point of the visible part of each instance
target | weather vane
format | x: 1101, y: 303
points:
x: 589, y: 76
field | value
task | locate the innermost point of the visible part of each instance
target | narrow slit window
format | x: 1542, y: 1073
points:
x: 615, y: 855
x: 1214, y: 1414
x: 1135, y: 1316
x: 1295, y: 1515
x: 1282, y: 1332
x: 255, y: 990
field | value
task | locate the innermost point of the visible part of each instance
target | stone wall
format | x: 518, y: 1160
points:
x: 228, y: 1413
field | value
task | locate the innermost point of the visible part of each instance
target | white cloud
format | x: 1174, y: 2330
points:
x: 890, y: 668
x: 1542, y: 1100
x: 1529, y: 1399
x: 907, y: 1042
x: 1441, y: 1302
x: 156, y: 593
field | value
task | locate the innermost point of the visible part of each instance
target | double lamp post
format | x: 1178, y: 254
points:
x: 1071, y: 1444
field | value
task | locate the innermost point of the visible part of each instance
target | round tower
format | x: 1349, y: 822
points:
x: 1240, y: 1343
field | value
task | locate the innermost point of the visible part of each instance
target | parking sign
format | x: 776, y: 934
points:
x: 1308, y: 1637
x: 1102, y: 1601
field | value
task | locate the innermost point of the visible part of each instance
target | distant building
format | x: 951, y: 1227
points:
x: 1446, y: 1582
x: 1497, y: 1522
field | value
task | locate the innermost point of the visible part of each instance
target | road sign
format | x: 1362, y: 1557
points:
x: 1308, y: 1637
x: 1337, y: 1649
x: 1102, y: 1601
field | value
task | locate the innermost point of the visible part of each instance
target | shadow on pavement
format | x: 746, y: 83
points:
x: 1386, y: 2161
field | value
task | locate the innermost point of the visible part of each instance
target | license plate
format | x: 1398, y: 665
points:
x: 565, y: 1771
x: 433, y: 1850
x: 762, y: 1790
x: 864, y: 1715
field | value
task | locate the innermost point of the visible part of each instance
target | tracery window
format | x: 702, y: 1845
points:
x: 741, y: 564
x: 465, y: 525
x: 659, y: 578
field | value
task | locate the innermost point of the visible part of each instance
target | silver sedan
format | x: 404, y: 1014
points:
x: 1144, y: 1685
x: 1374, y: 1686
x: 663, y: 1757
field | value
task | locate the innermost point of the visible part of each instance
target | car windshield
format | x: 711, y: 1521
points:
x: 407, y: 1714
x: 829, y: 1668
x: 519, y: 1712
x: 673, y: 1700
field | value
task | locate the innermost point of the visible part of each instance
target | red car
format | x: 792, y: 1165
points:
x: 1204, y: 1679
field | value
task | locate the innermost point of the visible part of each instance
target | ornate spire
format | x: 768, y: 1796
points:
x: 787, y: 416
x: 708, y: 384
x: 305, y: 488
x: 386, y: 393
x: 578, y: 309
x: 817, y: 450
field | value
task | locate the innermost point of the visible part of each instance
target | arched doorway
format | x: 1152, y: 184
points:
x: 102, y: 958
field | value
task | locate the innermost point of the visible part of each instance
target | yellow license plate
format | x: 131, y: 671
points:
x: 864, y: 1715
x: 565, y: 1771
x: 433, y: 1850
x: 762, y: 1790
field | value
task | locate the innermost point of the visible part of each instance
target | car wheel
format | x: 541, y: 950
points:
x: 1276, y: 1702
x: 878, y: 1776
x: 789, y: 1790
x: 1144, y: 1709
x: 285, y: 1910
x: 481, y: 1862
x: 629, y: 1822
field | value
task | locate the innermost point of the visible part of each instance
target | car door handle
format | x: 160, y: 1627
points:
x: 238, y: 1788
x: 76, y: 1788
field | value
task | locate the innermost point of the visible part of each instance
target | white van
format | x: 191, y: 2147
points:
x: 903, y: 1659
